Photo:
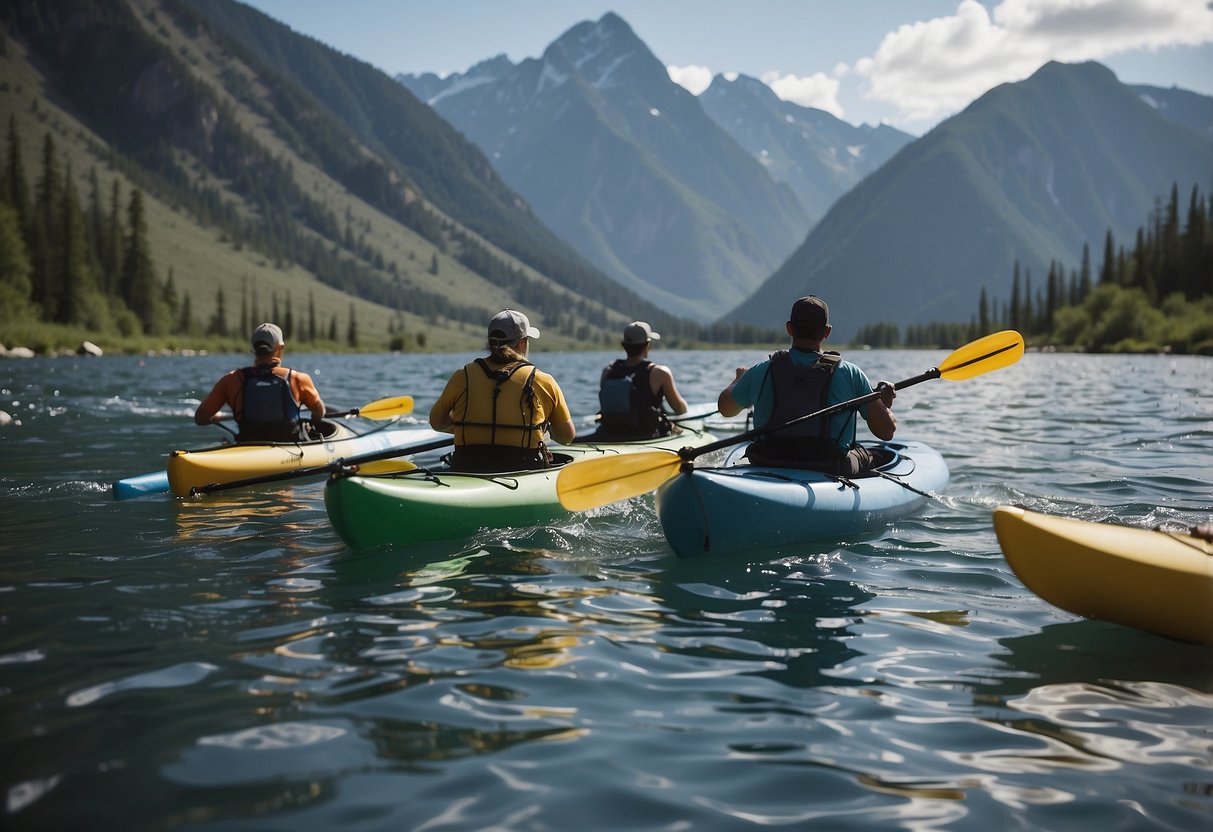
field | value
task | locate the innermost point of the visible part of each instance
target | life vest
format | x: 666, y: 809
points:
x: 628, y: 405
x: 798, y: 390
x: 500, y: 407
x: 270, y: 412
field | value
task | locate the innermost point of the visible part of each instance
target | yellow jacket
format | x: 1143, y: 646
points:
x: 502, y: 404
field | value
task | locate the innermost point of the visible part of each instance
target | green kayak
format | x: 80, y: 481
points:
x: 426, y: 504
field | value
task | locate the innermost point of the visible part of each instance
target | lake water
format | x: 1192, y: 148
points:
x: 227, y: 663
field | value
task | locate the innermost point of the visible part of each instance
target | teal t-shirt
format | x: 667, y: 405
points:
x: 754, y: 390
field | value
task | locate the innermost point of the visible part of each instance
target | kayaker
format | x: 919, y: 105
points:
x: 804, y: 379
x: 500, y: 407
x: 266, y: 398
x: 632, y: 390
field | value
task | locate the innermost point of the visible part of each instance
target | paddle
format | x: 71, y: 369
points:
x: 379, y: 409
x: 155, y: 482
x: 590, y: 483
x: 402, y: 465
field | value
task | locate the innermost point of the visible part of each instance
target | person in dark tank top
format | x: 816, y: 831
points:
x: 633, y: 390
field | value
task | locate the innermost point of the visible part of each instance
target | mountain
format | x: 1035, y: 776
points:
x: 278, y: 169
x: 1028, y: 173
x: 818, y: 156
x: 626, y: 165
x: 1190, y: 109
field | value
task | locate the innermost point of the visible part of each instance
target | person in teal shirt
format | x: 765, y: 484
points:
x: 802, y: 380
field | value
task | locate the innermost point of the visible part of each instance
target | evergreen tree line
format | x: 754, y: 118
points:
x: 65, y: 262
x: 193, y: 153
x: 1156, y: 296
x: 89, y: 264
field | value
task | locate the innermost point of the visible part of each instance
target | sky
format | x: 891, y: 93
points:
x: 907, y: 64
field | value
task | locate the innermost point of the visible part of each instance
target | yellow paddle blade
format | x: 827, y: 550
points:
x: 387, y: 408
x: 386, y: 466
x: 993, y: 352
x: 598, y: 481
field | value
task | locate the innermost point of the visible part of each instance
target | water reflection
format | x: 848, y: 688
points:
x: 778, y: 620
x: 1083, y: 650
x: 285, y: 514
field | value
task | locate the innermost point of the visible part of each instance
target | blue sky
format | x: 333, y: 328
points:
x: 909, y: 64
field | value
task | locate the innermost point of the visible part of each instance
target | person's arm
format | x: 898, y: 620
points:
x: 441, y: 418
x: 560, y: 422
x: 563, y: 432
x: 879, y: 413
x: 309, y: 396
x: 208, y: 412
x: 664, y: 382
x: 725, y: 402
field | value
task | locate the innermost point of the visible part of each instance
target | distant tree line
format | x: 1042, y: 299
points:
x: 67, y: 262
x: 193, y: 152
x: 89, y: 263
x: 1156, y: 296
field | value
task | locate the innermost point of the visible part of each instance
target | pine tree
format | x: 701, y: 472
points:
x: 218, y: 325
x: 311, y: 317
x: 73, y: 282
x: 185, y: 321
x: 96, y: 231
x: 1026, y: 312
x: 138, y: 277
x: 14, y: 267
x: 16, y: 189
x: 45, y: 242
x: 1107, y: 272
x: 168, y: 297
x: 351, y: 335
x: 111, y: 252
x: 246, y: 321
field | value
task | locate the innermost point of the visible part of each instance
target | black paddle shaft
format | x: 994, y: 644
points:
x: 690, y: 453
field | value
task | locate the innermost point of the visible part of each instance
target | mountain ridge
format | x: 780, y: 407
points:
x: 330, y: 210
x: 593, y: 131
x: 820, y: 157
x: 1028, y: 173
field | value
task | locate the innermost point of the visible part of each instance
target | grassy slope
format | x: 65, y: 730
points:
x: 201, y: 261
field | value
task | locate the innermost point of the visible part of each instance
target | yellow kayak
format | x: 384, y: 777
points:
x: 188, y: 470
x: 1157, y: 581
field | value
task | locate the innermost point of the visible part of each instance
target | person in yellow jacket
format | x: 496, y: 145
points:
x: 500, y: 407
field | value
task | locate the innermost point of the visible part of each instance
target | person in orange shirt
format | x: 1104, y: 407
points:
x: 266, y: 398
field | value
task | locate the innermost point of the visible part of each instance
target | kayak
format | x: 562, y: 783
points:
x: 188, y: 470
x: 1152, y: 580
x: 739, y: 507
x: 429, y: 504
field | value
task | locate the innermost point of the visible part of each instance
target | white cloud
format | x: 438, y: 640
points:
x: 934, y: 68
x: 817, y: 90
x: 693, y: 78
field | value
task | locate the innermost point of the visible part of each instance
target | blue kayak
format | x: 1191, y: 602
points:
x: 738, y: 507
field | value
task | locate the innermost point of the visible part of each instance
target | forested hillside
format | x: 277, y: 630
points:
x: 247, y: 188
x: 1155, y: 296
x: 1029, y: 172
